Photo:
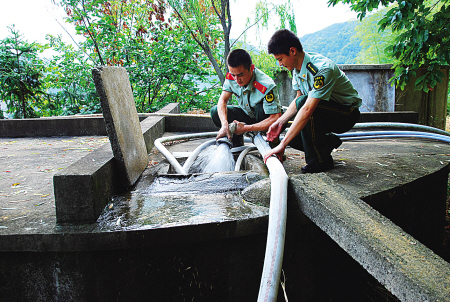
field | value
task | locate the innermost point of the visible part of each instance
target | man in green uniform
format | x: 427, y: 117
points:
x: 255, y: 91
x: 326, y: 102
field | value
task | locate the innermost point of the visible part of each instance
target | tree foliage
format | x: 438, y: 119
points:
x: 21, y: 72
x: 373, y: 42
x: 172, y: 53
x: 164, y: 62
x: 203, y: 20
x: 68, y: 81
x: 422, y: 36
x: 209, y: 23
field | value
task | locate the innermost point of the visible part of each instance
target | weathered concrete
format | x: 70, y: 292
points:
x: 371, y: 82
x: 399, y: 184
x: 154, y: 126
x: 53, y: 261
x: 406, y: 267
x: 84, y: 188
x: 187, y: 124
x: 26, y: 178
x: 378, y: 95
x: 122, y: 122
x: 258, y: 193
x: 53, y: 126
x: 284, y: 86
x: 95, y: 125
x: 431, y: 106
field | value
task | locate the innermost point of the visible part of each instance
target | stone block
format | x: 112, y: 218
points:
x: 122, y: 121
x: 193, y: 123
x: 83, y: 189
x: 406, y: 267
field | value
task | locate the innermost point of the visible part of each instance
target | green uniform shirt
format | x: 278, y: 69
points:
x: 261, y: 88
x: 322, y: 79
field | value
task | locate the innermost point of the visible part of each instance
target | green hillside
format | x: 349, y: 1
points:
x: 334, y: 42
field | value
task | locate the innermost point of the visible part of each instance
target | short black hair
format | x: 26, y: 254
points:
x: 282, y: 41
x: 239, y: 57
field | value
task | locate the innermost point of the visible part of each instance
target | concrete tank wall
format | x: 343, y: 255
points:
x: 379, y: 95
x: 371, y: 82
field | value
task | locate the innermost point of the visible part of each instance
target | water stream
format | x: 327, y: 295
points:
x: 182, y: 200
x: 203, y: 196
x: 215, y: 158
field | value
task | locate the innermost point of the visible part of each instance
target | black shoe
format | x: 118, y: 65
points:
x: 316, y: 168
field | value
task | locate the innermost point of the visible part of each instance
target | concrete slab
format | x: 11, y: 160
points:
x: 363, y: 168
x: 94, y: 125
x: 404, y: 179
x: 377, y: 171
x: 399, y: 261
x: 84, y: 188
x: 122, y: 122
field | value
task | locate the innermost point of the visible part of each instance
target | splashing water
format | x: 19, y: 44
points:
x: 215, y: 158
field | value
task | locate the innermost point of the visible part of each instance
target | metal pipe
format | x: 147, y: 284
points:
x: 401, y: 126
x: 273, y: 260
x: 393, y: 134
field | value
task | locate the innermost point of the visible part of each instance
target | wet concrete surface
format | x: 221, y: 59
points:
x: 27, y: 166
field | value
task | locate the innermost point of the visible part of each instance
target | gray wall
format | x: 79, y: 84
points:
x: 371, y: 82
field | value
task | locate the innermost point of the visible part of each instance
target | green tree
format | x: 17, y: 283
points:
x: 21, y: 71
x: 203, y: 18
x: 209, y: 23
x: 164, y: 62
x: 373, y: 41
x: 422, y: 36
x: 68, y: 81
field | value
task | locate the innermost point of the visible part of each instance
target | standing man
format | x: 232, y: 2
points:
x: 326, y: 102
x: 258, y: 101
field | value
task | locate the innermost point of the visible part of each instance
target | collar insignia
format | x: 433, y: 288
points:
x: 312, y: 68
x: 261, y: 88
x: 229, y: 77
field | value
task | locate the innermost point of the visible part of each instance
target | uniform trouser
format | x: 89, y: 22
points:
x: 236, y: 113
x: 316, y: 139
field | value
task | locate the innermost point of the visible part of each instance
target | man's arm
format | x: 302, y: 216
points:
x: 299, y: 123
x: 275, y: 129
x: 261, y: 126
x: 301, y: 119
x: 222, y: 112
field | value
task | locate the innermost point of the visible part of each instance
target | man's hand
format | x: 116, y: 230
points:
x: 224, y: 131
x: 274, y: 130
x: 240, y: 128
x: 278, y: 151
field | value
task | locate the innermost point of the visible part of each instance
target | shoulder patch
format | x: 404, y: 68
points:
x: 319, y: 81
x: 312, y: 68
x: 261, y: 88
x: 270, y: 97
x: 229, y: 77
